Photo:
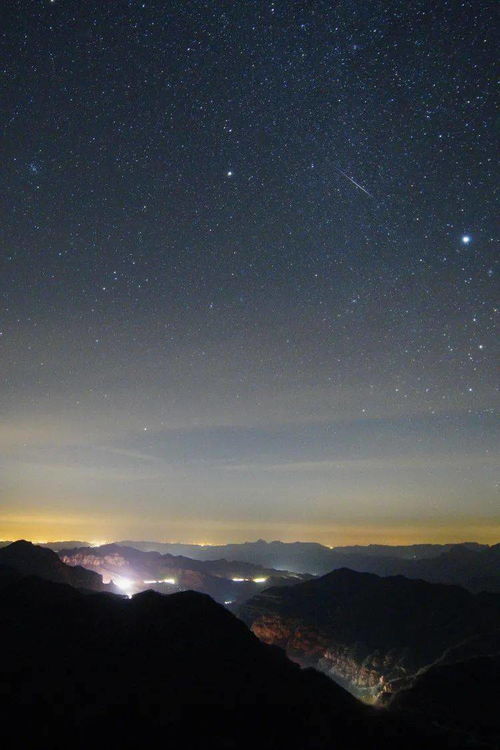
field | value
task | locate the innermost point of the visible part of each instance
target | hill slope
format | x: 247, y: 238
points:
x: 222, y: 579
x: 104, y: 671
x: 472, y: 565
x: 30, y: 559
x: 366, y: 631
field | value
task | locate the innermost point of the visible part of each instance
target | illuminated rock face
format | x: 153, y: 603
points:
x: 134, y: 570
x: 363, y: 673
x: 145, y: 570
x: 92, y: 562
x: 368, y: 632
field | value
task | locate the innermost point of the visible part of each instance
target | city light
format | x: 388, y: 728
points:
x: 125, y: 584
x: 172, y: 581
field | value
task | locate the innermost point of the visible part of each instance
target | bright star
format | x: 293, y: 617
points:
x: 229, y: 173
x: 466, y: 239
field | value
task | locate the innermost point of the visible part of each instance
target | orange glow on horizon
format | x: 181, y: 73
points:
x: 39, y: 529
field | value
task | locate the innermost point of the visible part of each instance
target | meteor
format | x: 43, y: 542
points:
x: 354, y: 182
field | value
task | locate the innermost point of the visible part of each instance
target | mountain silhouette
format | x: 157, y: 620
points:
x: 474, y: 566
x: 98, y: 670
x: 226, y: 581
x: 367, y: 631
x: 31, y: 559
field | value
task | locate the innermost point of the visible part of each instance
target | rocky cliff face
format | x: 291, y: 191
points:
x: 366, y: 632
x: 107, y: 565
x: 355, y: 666
x: 226, y: 581
x: 363, y: 671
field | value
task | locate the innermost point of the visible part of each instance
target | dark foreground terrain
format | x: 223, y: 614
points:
x: 92, y: 670
x: 424, y: 649
x: 31, y: 559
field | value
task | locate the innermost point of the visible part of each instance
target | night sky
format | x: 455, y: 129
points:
x: 247, y: 273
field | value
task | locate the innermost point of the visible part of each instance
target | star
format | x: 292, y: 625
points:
x: 315, y: 286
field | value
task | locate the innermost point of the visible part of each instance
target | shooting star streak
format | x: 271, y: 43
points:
x: 354, y: 182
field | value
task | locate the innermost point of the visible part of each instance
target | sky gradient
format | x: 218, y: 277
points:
x: 248, y: 271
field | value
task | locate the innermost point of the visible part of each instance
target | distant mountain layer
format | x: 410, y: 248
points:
x: 52, y: 545
x: 102, y: 671
x: 299, y: 557
x: 476, y: 570
x: 369, y: 632
x: 474, y: 566
x: 135, y: 570
x: 29, y: 559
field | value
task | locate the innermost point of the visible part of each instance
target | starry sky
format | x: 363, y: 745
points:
x: 247, y: 272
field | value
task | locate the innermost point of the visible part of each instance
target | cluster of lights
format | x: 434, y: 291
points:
x: 126, y: 585
x: 255, y: 580
x: 172, y: 581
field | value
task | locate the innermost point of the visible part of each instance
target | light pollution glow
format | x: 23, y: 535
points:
x: 386, y: 481
x: 275, y: 318
x: 40, y: 529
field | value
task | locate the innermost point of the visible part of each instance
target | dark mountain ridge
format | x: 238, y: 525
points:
x: 104, y: 671
x: 299, y: 557
x: 30, y: 559
x: 474, y: 569
x: 226, y: 581
x: 475, y: 566
x: 461, y: 696
x: 471, y: 565
x: 366, y: 631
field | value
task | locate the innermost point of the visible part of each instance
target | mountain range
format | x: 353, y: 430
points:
x: 472, y: 565
x: 134, y: 570
x: 103, y: 671
x: 368, y: 632
x: 299, y: 557
x: 95, y: 669
x: 30, y: 559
